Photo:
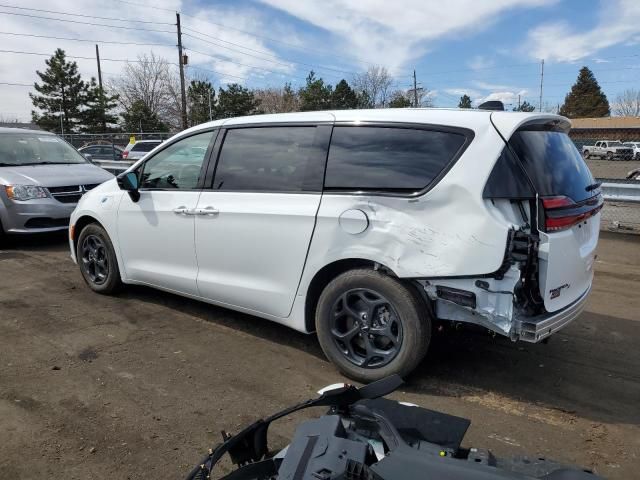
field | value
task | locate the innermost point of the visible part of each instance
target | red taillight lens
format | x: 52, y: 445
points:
x: 556, y: 202
x: 554, y: 207
x: 125, y: 154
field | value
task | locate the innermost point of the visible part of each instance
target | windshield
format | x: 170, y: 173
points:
x: 17, y: 149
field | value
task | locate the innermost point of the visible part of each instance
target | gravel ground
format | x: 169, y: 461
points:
x: 140, y: 385
x: 611, y: 168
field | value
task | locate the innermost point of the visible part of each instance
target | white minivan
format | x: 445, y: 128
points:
x: 365, y: 226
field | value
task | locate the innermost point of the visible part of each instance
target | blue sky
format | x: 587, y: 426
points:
x: 487, y: 49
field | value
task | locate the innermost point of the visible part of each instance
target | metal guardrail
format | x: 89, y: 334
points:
x: 621, y: 212
x: 620, y: 190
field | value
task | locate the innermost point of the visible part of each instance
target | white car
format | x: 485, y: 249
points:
x: 366, y: 226
x: 137, y: 150
x: 636, y: 149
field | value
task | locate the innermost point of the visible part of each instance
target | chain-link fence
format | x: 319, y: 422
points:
x: 121, y: 140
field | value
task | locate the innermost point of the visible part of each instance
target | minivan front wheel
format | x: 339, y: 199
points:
x: 97, y: 260
x: 370, y: 325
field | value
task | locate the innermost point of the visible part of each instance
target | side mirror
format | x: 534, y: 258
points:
x: 88, y: 156
x: 129, y: 182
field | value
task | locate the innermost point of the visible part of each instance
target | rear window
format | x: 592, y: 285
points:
x: 553, y: 163
x: 144, y: 147
x: 388, y: 159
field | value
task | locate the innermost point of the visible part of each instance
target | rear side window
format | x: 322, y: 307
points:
x: 144, y: 147
x: 553, y: 163
x: 388, y: 159
x: 270, y: 159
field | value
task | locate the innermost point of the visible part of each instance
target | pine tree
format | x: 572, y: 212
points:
x: 343, y: 97
x: 465, y: 101
x: 60, y: 93
x: 97, y: 113
x: 235, y: 101
x: 199, y: 94
x: 315, y: 95
x: 140, y: 118
x: 399, y: 100
x: 586, y: 98
x: 524, y: 107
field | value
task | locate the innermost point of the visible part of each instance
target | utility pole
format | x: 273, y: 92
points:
x: 518, y: 102
x: 181, y: 65
x: 210, y: 111
x: 415, y: 89
x: 104, y: 123
x: 541, y: 81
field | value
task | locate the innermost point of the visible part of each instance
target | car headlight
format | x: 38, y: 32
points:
x: 25, y: 192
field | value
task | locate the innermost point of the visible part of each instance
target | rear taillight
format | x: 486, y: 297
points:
x: 562, y: 213
x: 125, y: 154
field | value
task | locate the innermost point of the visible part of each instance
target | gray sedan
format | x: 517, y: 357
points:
x: 41, y: 180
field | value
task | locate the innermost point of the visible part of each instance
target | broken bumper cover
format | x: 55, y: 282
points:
x: 535, y: 329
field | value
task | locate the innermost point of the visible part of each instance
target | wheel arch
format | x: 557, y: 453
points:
x: 327, y: 273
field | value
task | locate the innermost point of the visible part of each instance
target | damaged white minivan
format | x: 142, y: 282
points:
x: 365, y: 226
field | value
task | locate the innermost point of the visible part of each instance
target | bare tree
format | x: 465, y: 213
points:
x: 375, y: 83
x: 152, y: 81
x: 627, y: 104
x: 277, y: 100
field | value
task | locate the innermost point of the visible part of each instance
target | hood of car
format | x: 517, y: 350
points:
x: 58, y: 175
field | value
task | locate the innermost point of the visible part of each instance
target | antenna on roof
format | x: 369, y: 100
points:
x: 492, y: 105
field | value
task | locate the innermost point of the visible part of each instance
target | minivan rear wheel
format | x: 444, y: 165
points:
x: 370, y: 325
x: 97, y: 260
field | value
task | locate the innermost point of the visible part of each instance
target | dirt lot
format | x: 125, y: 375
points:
x: 611, y: 168
x: 140, y: 385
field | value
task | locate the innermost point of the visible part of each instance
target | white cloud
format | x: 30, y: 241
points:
x: 508, y: 97
x: 463, y: 91
x: 20, y: 68
x: 480, y: 62
x: 618, y: 22
x: 394, y: 34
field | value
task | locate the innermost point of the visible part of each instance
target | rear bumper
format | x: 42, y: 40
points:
x: 535, y: 329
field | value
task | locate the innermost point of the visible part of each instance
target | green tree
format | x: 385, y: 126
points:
x: 399, y: 100
x: 315, y: 95
x: 586, y: 98
x: 97, y: 113
x: 465, y: 101
x: 200, y: 97
x: 524, y: 107
x: 140, y: 118
x: 343, y: 97
x: 364, y: 100
x: 235, y: 101
x: 60, y: 94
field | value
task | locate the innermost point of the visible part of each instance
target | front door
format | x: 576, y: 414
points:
x: 156, y: 233
x: 254, y: 226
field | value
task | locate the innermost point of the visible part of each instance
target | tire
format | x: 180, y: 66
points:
x: 344, y: 331
x: 585, y: 154
x: 609, y: 156
x: 97, y: 260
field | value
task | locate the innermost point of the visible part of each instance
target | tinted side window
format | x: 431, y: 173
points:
x: 391, y: 159
x: 272, y: 159
x: 177, y: 166
x: 144, y: 147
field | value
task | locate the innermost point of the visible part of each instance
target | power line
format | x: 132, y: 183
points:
x: 85, y: 23
x: 317, y: 67
x: 83, y: 16
x: 86, y: 40
x: 243, y: 64
x: 17, y: 84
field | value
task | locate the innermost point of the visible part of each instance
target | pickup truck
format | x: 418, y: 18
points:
x: 609, y: 149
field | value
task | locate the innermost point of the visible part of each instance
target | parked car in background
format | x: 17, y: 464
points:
x: 42, y: 178
x: 609, y: 149
x: 636, y: 149
x: 137, y: 150
x: 102, y: 152
x: 366, y: 226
